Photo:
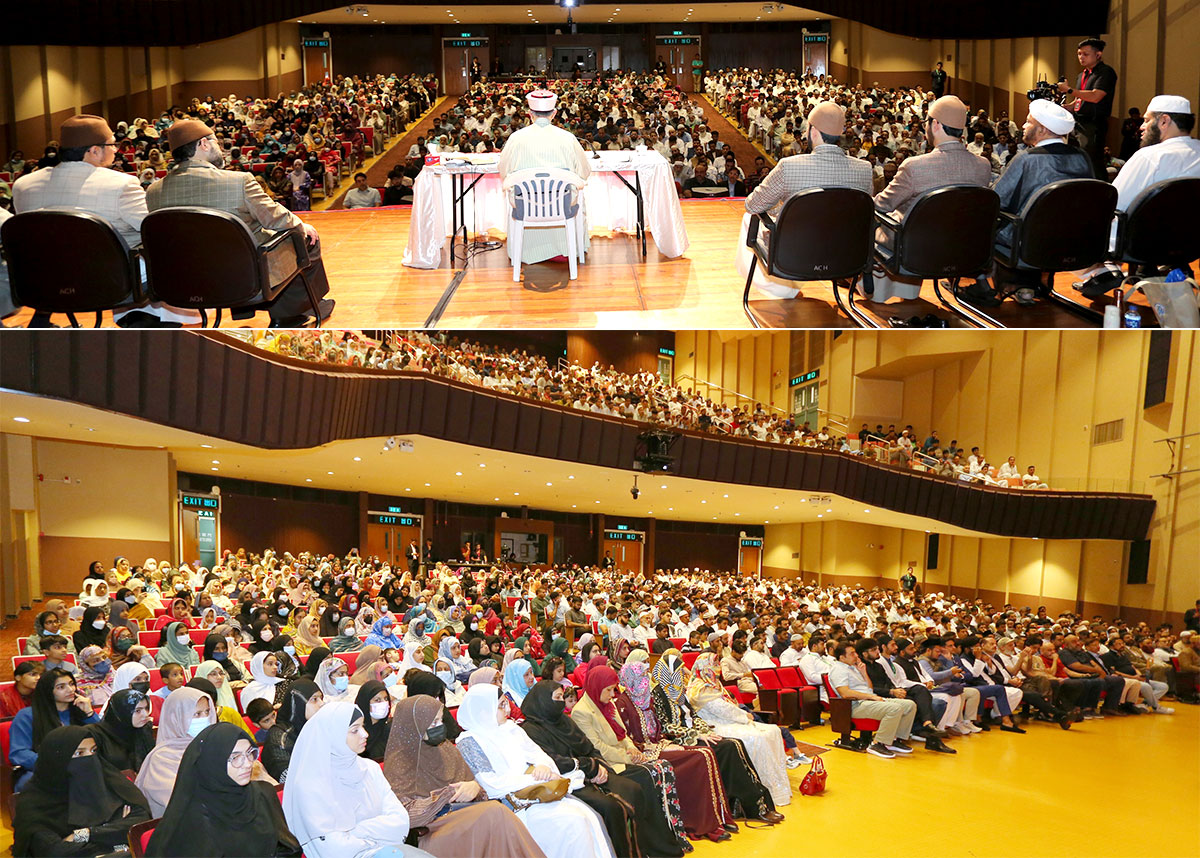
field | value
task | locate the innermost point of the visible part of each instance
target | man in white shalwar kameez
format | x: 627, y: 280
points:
x: 543, y: 145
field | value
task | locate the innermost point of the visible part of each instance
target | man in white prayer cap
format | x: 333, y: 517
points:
x: 1167, y: 152
x: 541, y: 145
x: 1047, y: 158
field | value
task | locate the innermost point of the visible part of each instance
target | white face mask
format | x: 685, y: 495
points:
x: 131, y: 600
x: 184, y: 640
x: 379, y: 711
x: 267, y: 634
x: 98, y: 624
x: 197, y: 726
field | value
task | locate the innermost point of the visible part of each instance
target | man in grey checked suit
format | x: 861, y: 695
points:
x: 83, y: 182
x: 948, y: 163
x: 827, y: 167
x: 198, y: 179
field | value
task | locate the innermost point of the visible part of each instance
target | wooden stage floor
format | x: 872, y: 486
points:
x: 616, y: 288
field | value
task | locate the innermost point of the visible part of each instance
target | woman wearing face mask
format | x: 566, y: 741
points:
x: 289, y: 661
x: 333, y: 678
x: 451, y: 650
x: 47, y: 623
x: 124, y: 736
x: 383, y: 636
x: 177, y: 647
x: 118, y: 609
x: 186, y: 713
x: 347, y: 640
x: 505, y: 760
x: 212, y: 679
x: 443, y: 669
x: 262, y: 636
x: 364, y: 619
x: 281, y: 614
x: 374, y: 701
x: 437, y: 788
x: 300, y: 703
x: 121, y: 641
x: 93, y: 630
x: 333, y: 620
x: 264, y: 672
x: 95, y: 678
x: 240, y: 812
x: 339, y: 805
x: 76, y: 803
x: 216, y: 648
x: 418, y: 683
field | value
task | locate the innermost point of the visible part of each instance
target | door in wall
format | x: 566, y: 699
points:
x: 626, y: 549
x: 318, y: 61
x: 458, y: 55
x: 750, y: 556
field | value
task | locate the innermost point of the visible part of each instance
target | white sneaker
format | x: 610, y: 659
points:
x: 794, y: 763
x: 974, y: 728
x: 1163, y: 710
x: 804, y: 759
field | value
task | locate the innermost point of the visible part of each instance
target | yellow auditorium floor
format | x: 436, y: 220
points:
x: 1118, y: 787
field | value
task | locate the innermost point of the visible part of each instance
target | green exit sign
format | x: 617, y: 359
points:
x: 667, y: 352
x: 677, y: 32
x: 752, y: 543
x: 808, y: 376
x: 810, y: 39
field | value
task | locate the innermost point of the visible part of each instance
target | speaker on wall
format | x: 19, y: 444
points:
x: 1139, y: 562
x: 931, y: 551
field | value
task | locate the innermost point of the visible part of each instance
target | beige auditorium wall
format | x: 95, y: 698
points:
x: 1151, y: 45
x: 1035, y: 395
x: 79, y: 518
x: 723, y: 364
x: 41, y: 85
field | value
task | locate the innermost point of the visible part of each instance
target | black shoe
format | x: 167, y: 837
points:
x: 881, y: 750
x: 41, y: 320
x: 139, y: 319
x: 982, y: 294
x: 935, y: 744
x: 983, y: 725
x: 1011, y: 729
x: 897, y: 322
x: 1101, y: 284
x: 1130, y: 709
x: 932, y: 321
x: 731, y: 827
x: 1064, y: 721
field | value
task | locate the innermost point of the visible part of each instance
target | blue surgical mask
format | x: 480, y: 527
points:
x: 197, y: 726
x: 283, y: 612
x: 220, y: 656
x: 389, y: 680
x: 102, y: 667
x: 447, y: 678
x: 341, y: 683
x: 289, y: 649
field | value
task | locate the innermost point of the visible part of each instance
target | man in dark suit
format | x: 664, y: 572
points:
x: 197, y: 179
x: 884, y: 675
x: 937, y: 81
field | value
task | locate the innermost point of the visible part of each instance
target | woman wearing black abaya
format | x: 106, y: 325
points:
x: 423, y: 682
x: 216, y: 648
x: 216, y: 810
x: 93, y: 630
x: 376, y: 706
x: 318, y: 655
x: 124, y: 736
x: 300, y: 702
x: 631, y: 809
x: 76, y: 803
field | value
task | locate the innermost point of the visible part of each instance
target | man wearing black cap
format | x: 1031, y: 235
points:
x: 1093, y: 93
x: 198, y: 179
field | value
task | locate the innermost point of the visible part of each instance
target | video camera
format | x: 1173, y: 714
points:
x: 1045, y: 89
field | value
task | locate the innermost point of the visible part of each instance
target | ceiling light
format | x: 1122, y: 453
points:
x: 803, y: 500
x: 724, y: 496
x: 482, y: 465
x: 358, y: 458
x: 866, y: 510
x: 572, y: 506
x: 649, y: 512
x: 819, y: 515
x: 408, y: 489
x: 597, y: 501
x: 549, y: 484
x: 670, y: 509
x: 215, y: 462
x: 768, y: 521
x: 662, y: 487
x: 308, y: 479
x: 216, y: 469
x: 206, y: 446
x: 458, y: 473
x: 329, y: 473
x: 570, y: 476
x: 495, y: 499
x: 703, y: 501
x: 777, y: 506
x: 516, y: 494
x: 829, y: 510
x: 714, y: 518
x: 21, y: 419
x: 737, y: 513
x: 927, y: 531
x: 427, y: 485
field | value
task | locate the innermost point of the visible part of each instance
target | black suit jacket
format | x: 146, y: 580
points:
x: 881, y: 683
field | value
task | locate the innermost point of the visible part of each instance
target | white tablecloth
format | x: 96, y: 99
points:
x: 608, y: 204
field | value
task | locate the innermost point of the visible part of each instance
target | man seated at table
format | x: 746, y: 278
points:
x: 542, y: 145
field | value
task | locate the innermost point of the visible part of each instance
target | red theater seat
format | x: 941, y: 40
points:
x: 842, y: 722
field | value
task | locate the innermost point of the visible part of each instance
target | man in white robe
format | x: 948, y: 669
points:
x: 542, y: 145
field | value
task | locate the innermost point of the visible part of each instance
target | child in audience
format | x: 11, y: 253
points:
x: 173, y: 677
x: 54, y: 647
x: 262, y: 716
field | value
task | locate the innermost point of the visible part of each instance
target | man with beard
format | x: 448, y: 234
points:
x: 197, y: 179
x: 1167, y: 152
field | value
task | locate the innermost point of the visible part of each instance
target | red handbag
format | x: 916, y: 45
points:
x: 814, y: 781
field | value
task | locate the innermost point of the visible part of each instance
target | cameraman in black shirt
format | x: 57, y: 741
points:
x: 1093, y: 94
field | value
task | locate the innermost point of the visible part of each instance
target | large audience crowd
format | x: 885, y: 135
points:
x: 297, y: 144
x: 342, y: 707
x: 644, y: 397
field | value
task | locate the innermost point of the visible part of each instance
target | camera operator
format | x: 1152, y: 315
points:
x: 1093, y: 95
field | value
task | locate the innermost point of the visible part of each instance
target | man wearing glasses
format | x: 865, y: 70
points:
x: 82, y: 181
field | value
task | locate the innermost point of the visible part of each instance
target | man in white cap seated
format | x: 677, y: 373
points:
x: 537, y: 146
x: 1167, y: 152
x: 1047, y: 158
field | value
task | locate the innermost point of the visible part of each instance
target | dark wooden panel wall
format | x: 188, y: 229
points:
x: 223, y: 388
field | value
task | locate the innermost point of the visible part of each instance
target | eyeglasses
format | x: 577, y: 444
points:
x: 245, y: 758
x: 114, y: 145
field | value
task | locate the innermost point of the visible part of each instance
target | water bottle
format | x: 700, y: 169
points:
x: 1177, y: 275
x: 1133, y: 319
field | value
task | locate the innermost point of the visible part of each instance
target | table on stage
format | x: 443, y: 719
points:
x: 622, y: 184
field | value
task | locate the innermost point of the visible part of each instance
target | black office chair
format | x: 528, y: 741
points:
x: 63, y: 261
x: 1064, y: 226
x: 205, y: 259
x: 948, y: 233
x: 1160, y: 229
x: 821, y: 234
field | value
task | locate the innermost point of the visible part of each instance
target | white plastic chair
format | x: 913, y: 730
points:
x: 544, y: 198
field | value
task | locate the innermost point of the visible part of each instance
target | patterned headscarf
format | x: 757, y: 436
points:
x: 705, y: 686
x: 670, y: 675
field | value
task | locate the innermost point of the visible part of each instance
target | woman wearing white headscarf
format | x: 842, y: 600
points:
x: 504, y: 760
x: 186, y: 712
x: 338, y: 804
x: 263, y: 668
x: 409, y: 662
